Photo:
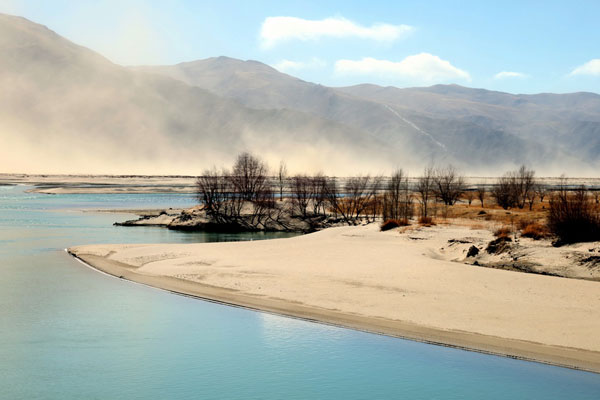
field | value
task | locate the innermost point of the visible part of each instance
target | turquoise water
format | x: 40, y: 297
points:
x: 69, y: 332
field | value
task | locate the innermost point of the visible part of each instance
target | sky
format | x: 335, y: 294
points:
x: 512, y: 46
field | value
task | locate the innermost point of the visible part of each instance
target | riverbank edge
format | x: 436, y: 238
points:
x: 565, y: 357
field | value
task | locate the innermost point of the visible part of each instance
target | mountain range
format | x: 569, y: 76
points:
x: 67, y: 109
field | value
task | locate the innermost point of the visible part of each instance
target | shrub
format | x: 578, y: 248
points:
x: 503, y: 232
x: 426, y: 221
x: 393, y: 223
x: 523, y: 223
x: 534, y: 231
x: 573, y: 217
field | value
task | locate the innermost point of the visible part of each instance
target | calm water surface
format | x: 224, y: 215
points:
x: 69, y: 332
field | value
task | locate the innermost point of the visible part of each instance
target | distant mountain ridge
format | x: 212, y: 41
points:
x: 472, y: 128
x: 75, y: 111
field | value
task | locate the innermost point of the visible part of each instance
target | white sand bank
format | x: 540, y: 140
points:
x: 392, y: 283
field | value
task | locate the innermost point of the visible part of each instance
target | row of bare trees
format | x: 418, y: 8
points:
x: 250, y: 188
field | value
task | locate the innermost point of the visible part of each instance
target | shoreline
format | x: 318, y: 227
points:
x: 562, y: 356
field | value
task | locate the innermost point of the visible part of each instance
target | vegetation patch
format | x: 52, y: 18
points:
x: 503, y: 232
x: 573, y: 216
x: 535, y: 231
x: 393, y: 223
x: 426, y: 221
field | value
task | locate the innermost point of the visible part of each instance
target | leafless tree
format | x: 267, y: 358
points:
x: 515, y: 188
x: 281, y: 178
x: 212, y: 189
x: 249, y: 176
x: 262, y: 205
x: 332, y: 195
x: 301, y: 194
x: 358, y: 195
x: 449, y: 185
x: 425, y: 189
x: 541, y: 191
x: 481, y: 192
x: 220, y: 200
x: 526, y: 186
x: 318, y: 193
x: 530, y: 196
x: 470, y: 195
x: 504, y: 193
x: 397, y: 199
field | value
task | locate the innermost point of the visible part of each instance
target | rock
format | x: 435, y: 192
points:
x: 473, y: 251
x: 462, y: 241
x: 499, y: 245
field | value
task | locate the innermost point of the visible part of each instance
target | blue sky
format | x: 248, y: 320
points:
x: 518, y: 47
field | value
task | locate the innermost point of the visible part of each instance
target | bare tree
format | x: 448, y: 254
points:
x: 301, y: 194
x: 318, y: 194
x: 542, y: 191
x: 262, y: 205
x: 425, y: 189
x: 525, y: 186
x: 220, y: 200
x: 503, y: 192
x: 357, y: 197
x: 470, y: 195
x: 530, y: 196
x: 397, y: 199
x: 332, y: 196
x: 449, y: 185
x: 515, y: 188
x: 281, y: 177
x: 481, y: 192
x: 212, y: 191
x: 249, y: 176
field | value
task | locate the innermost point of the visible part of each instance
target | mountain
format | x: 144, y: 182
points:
x: 476, y: 129
x: 259, y: 86
x: 65, y: 108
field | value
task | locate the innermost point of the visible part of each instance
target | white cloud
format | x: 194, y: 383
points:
x: 510, y: 74
x: 423, y: 67
x: 275, y: 30
x: 289, y: 66
x: 591, y: 67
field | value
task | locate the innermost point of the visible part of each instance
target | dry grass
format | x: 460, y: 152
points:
x: 426, y: 221
x: 393, y: 223
x: 503, y: 232
x: 535, y: 231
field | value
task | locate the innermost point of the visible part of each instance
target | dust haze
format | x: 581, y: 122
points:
x: 66, y: 109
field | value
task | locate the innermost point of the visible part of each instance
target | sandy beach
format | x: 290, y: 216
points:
x: 414, y: 284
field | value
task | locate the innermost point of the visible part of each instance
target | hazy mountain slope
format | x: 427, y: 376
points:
x: 71, y: 110
x: 64, y: 108
x: 563, y: 122
x: 260, y: 86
